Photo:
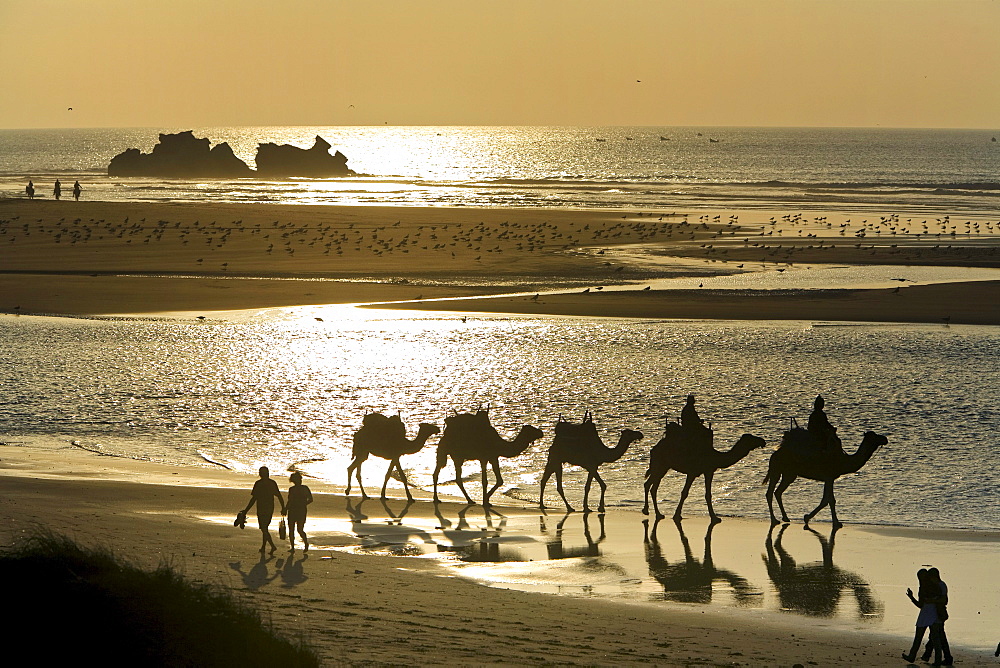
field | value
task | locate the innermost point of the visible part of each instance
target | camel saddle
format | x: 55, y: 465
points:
x: 383, y: 427
x: 807, y: 445
x: 695, y: 438
x: 576, y: 431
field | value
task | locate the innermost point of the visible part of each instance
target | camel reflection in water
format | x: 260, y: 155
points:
x: 693, y: 581
x: 557, y: 549
x: 471, y: 544
x: 816, y: 588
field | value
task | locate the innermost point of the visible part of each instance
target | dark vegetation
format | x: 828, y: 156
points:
x: 67, y: 603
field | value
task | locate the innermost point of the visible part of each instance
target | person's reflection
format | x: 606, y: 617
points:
x: 815, y: 588
x: 691, y: 581
x: 557, y: 549
x: 257, y: 576
x: 293, y: 573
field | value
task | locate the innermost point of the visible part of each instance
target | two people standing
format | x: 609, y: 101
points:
x: 264, y: 491
x: 932, y: 599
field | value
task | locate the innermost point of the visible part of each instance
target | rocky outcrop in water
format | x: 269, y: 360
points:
x: 180, y: 155
x: 288, y: 160
x: 183, y: 155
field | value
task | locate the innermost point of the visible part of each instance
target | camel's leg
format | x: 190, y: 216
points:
x: 545, y: 479
x: 356, y: 467
x: 708, y: 497
x: 772, y: 481
x: 649, y: 487
x: 439, y: 464
x: 833, y: 509
x: 394, y: 464
x: 350, y: 471
x: 786, y: 480
x: 604, y: 488
x: 458, y: 479
x: 499, y: 482
x: 559, y: 488
x: 586, y: 491
x: 684, y: 495
x: 828, y: 500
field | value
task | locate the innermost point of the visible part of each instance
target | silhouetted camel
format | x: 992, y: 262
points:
x: 581, y: 445
x: 692, y: 581
x: 470, y: 436
x: 788, y: 463
x: 676, y: 451
x: 816, y: 588
x: 386, y: 438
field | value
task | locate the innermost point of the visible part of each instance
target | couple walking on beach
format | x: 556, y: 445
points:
x: 932, y: 599
x: 265, y: 490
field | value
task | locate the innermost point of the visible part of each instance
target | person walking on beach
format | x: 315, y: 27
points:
x: 941, y: 607
x: 299, y: 497
x: 928, y: 595
x: 30, y: 189
x: 263, y: 493
x: 76, y: 190
x: 57, y: 190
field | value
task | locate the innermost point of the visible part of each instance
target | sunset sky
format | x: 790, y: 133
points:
x: 891, y: 63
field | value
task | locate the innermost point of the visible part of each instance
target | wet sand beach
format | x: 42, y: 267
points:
x: 751, y: 597
x: 122, y: 258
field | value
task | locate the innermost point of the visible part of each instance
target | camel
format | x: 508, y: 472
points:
x: 385, y: 437
x: 581, y: 445
x: 790, y: 461
x: 677, y: 451
x: 470, y: 436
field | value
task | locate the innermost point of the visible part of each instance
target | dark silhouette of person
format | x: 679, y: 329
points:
x: 689, y: 415
x: 57, y: 190
x: 263, y: 493
x: 76, y: 190
x: 941, y: 608
x: 299, y: 497
x: 30, y: 189
x: 821, y: 429
x: 927, y: 599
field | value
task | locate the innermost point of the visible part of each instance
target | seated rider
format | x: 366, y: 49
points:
x: 821, y: 429
x: 692, y: 423
x: 689, y: 415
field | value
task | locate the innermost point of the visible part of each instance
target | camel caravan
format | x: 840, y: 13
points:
x: 814, y: 452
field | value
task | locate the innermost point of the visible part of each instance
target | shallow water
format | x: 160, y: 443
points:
x: 282, y: 388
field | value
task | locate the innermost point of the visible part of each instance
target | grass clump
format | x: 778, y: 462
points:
x: 69, y: 603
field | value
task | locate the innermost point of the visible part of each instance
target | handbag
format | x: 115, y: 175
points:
x: 281, y: 529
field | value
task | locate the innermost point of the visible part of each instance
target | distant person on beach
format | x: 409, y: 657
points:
x: 263, y: 493
x: 57, y: 190
x: 821, y: 429
x: 30, y: 190
x: 76, y: 190
x: 299, y: 497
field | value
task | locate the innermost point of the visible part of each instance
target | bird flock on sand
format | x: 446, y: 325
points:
x: 278, y: 245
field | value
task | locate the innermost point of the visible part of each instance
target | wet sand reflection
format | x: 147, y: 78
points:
x: 816, y: 588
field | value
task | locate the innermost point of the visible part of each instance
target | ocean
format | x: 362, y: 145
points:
x: 281, y: 388
x: 585, y: 167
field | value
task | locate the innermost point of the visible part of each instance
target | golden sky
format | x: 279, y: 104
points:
x: 174, y: 63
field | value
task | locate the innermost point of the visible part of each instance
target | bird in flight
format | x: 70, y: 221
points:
x: 69, y: 109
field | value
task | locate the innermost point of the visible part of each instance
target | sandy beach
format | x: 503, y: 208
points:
x: 100, y: 258
x: 360, y: 606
